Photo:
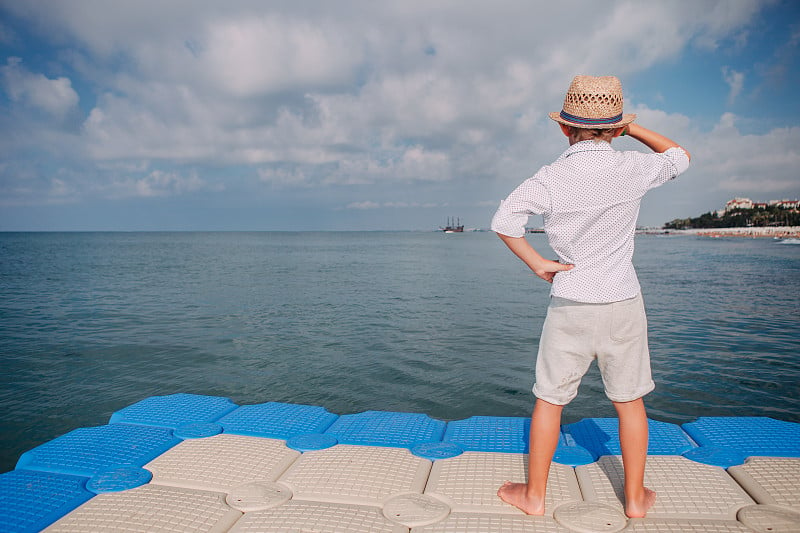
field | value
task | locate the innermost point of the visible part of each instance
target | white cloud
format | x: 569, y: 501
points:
x: 56, y: 96
x: 283, y: 176
x: 370, y: 205
x: 735, y: 81
x: 268, y: 54
x: 364, y: 205
x: 412, y: 164
x: 156, y: 183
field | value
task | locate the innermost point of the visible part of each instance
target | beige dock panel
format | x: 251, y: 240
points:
x: 361, y: 475
x: 590, y: 517
x: 493, y: 523
x: 649, y: 525
x: 771, y: 480
x: 222, y: 462
x: 151, y: 508
x: 323, y: 517
x: 412, y: 509
x: 770, y: 519
x: 469, y: 482
x: 685, y: 489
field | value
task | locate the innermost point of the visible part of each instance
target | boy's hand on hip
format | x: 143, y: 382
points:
x: 547, y: 269
x: 544, y: 268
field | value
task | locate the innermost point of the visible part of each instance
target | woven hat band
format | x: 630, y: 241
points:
x: 590, y: 121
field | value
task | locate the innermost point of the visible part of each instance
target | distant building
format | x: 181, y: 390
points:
x: 786, y: 204
x: 747, y: 203
x: 738, y: 203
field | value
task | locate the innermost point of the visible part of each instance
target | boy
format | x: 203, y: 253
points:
x: 589, y: 198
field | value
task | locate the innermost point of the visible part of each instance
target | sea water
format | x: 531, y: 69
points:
x: 442, y: 324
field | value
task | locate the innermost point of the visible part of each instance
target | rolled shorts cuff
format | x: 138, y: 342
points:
x: 562, y: 400
x: 633, y: 396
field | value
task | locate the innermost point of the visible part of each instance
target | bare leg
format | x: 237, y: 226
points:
x: 545, y: 429
x: 633, y: 440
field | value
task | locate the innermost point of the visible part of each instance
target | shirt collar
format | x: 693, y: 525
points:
x: 587, y: 146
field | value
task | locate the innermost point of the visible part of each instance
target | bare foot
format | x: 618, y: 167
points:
x: 637, y: 508
x: 517, y: 495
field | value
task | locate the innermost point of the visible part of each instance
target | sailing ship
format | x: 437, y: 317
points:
x: 453, y: 226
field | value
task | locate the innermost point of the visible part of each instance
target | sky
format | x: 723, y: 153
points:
x: 371, y: 115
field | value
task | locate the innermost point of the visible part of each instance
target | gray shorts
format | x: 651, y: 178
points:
x: 574, y: 334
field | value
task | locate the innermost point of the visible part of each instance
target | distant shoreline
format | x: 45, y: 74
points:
x: 780, y: 232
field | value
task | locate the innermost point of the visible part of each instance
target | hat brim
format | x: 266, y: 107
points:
x: 626, y: 119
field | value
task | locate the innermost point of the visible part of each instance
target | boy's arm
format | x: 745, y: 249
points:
x: 654, y: 141
x: 544, y: 268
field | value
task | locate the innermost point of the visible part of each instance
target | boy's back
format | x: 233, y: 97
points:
x: 590, y: 198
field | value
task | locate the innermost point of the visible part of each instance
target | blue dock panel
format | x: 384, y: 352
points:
x: 385, y: 428
x: 90, y: 451
x: 31, y: 501
x: 601, y: 437
x: 174, y: 410
x: 277, y: 420
x: 751, y: 436
x: 490, y: 434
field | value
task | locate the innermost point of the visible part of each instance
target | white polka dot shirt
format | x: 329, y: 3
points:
x: 589, y: 198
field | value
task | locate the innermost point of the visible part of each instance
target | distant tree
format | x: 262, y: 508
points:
x: 771, y: 215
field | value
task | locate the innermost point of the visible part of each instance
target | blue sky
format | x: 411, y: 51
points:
x: 250, y: 115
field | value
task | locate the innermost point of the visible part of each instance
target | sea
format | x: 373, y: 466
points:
x: 427, y: 322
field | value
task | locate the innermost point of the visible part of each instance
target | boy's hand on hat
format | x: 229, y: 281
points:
x: 547, y: 269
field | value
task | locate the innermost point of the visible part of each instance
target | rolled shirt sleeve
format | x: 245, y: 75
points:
x: 673, y: 162
x: 530, y: 198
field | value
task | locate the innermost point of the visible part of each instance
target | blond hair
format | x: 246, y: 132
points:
x: 596, y: 135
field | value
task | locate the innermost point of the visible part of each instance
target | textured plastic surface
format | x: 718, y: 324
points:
x: 198, y: 430
x: 30, y: 501
x: 385, y: 428
x: 469, y: 482
x: 277, y: 420
x: 770, y: 480
x: 601, y: 437
x: 151, y: 508
x: 412, y: 510
x: 437, y: 450
x: 759, y: 436
x: 356, y: 474
x: 590, y: 517
x: 490, y: 434
x: 258, y: 496
x: 650, y: 525
x: 117, y: 479
x: 222, y: 462
x: 572, y: 455
x: 89, y: 451
x: 485, y: 523
x: 716, y: 456
x: 770, y: 518
x: 685, y: 489
x: 298, y: 516
x: 174, y: 410
x: 311, y: 441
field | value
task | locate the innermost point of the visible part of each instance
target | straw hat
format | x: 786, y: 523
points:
x: 593, y: 102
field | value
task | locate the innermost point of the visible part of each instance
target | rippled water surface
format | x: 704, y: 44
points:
x: 446, y: 325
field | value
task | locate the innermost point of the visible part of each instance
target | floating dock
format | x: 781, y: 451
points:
x: 189, y: 463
